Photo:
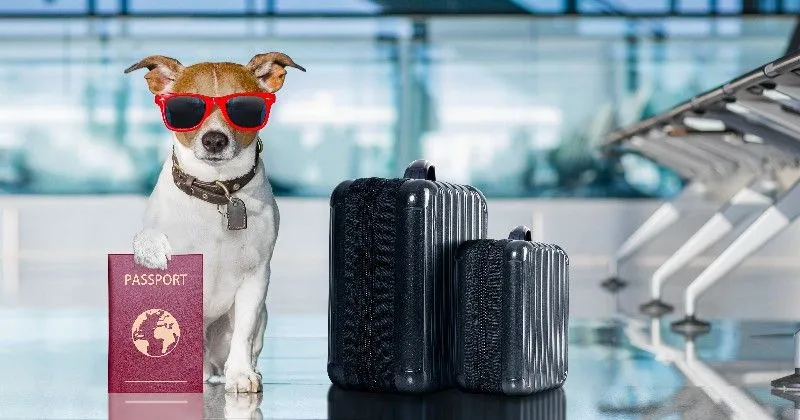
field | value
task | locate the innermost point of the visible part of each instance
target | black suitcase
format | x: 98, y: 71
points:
x: 512, y: 309
x: 392, y: 244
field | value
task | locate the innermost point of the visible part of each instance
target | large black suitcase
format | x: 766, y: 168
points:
x: 512, y: 310
x: 392, y: 244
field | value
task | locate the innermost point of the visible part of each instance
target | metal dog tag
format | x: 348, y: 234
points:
x: 237, y: 214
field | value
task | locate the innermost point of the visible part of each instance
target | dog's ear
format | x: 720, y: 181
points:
x: 270, y: 69
x: 162, y: 74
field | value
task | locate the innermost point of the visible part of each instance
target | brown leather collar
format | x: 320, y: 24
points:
x: 217, y: 192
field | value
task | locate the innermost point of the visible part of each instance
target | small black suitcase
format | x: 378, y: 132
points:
x: 392, y: 247
x: 512, y: 309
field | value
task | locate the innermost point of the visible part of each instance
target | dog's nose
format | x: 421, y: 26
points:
x: 215, y: 141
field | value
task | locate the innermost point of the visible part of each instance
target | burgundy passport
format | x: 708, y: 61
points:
x: 155, y: 328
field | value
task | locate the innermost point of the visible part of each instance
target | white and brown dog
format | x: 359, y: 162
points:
x: 216, y: 158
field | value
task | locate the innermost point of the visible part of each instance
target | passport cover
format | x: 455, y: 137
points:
x: 155, y: 337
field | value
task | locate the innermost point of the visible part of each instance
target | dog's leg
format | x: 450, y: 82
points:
x: 258, y: 341
x: 217, y: 346
x: 209, y: 375
x: 151, y: 249
x: 240, y: 375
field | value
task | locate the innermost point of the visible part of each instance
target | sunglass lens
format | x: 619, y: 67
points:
x: 247, y: 111
x: 184, y: 111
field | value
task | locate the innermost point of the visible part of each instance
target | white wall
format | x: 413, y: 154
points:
x: 64, y: 242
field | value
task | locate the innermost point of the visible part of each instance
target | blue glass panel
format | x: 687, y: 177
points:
x: 197, y: 6
x: 542, y: 6
x: 768, y: 6
x: 108, y: 6
x: 694, y: 6
x: 398, y: 6
x: 791, y: 6
x: 729, y: 6
x: 337, y: 6
x: 623, y: 6
x: 642, y: 6
x: 41, y: 6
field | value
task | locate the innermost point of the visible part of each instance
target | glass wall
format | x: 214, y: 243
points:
x: 400, y: 7
x: 512, y: 105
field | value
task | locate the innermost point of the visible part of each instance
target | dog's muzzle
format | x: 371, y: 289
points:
x: 215, y: 141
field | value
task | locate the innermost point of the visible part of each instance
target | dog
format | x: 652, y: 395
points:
x: 178, y: 218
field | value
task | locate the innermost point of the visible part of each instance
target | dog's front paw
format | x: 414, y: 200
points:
x: 242, y: 380
x: 151, y: 249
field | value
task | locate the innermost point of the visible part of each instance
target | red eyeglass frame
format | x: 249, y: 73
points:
x: 219, y: 102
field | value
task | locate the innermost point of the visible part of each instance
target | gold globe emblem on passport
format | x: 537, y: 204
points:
x: 155, y: 333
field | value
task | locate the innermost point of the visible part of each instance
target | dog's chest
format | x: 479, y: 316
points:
x: 195, y: 226
x: 229, y: 256
x: 204, y: 229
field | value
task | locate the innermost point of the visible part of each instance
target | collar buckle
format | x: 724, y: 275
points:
x: 224, y: 188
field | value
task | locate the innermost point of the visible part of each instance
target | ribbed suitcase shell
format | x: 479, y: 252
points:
x: 445, y: 405
x: 431, y: 219
x: 512, y: 310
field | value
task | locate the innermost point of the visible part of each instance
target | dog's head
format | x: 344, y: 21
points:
x: 215, y: 141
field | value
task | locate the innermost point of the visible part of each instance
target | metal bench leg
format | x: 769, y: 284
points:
x: 661, y: 219
x: 735, y: 211
x: 774, y: 220
x: 791, y: 382
x: 668, y: 214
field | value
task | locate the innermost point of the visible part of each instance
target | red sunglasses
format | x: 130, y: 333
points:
x: 245, y: 111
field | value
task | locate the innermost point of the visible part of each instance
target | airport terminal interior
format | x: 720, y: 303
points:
x: 657, y: 142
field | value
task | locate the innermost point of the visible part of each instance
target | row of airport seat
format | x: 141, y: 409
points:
x: 738, y: 147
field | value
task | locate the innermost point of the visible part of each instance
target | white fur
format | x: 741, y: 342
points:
x: 236, y: 264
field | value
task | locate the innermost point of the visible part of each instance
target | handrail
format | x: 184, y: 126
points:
x: 717, y: 100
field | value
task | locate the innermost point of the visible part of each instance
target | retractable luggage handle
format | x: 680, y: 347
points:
x: 421, y: 169
x: 520, y: 233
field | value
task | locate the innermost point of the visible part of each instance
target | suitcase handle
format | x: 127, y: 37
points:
x: 520, y: 233
x: 421, y: 169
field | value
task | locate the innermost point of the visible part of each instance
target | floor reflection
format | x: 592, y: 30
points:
x: 214, y: 403
x: 794, y: 397
x: 716, y: 396
x: 155, y: 406
x: 446, y: 405
x: 618, y: 369
x: 221, y: 405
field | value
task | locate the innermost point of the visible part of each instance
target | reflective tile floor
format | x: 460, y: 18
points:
x: 53, y: 366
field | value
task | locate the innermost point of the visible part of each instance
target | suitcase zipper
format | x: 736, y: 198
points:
x: 482, y: 319
x: 376, y: 276
x: 368, y: 279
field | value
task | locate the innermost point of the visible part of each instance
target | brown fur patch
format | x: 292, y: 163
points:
x: 270, y: 69
x: 162, y: 72
x: 274, y: 80
x: 216, y: 79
